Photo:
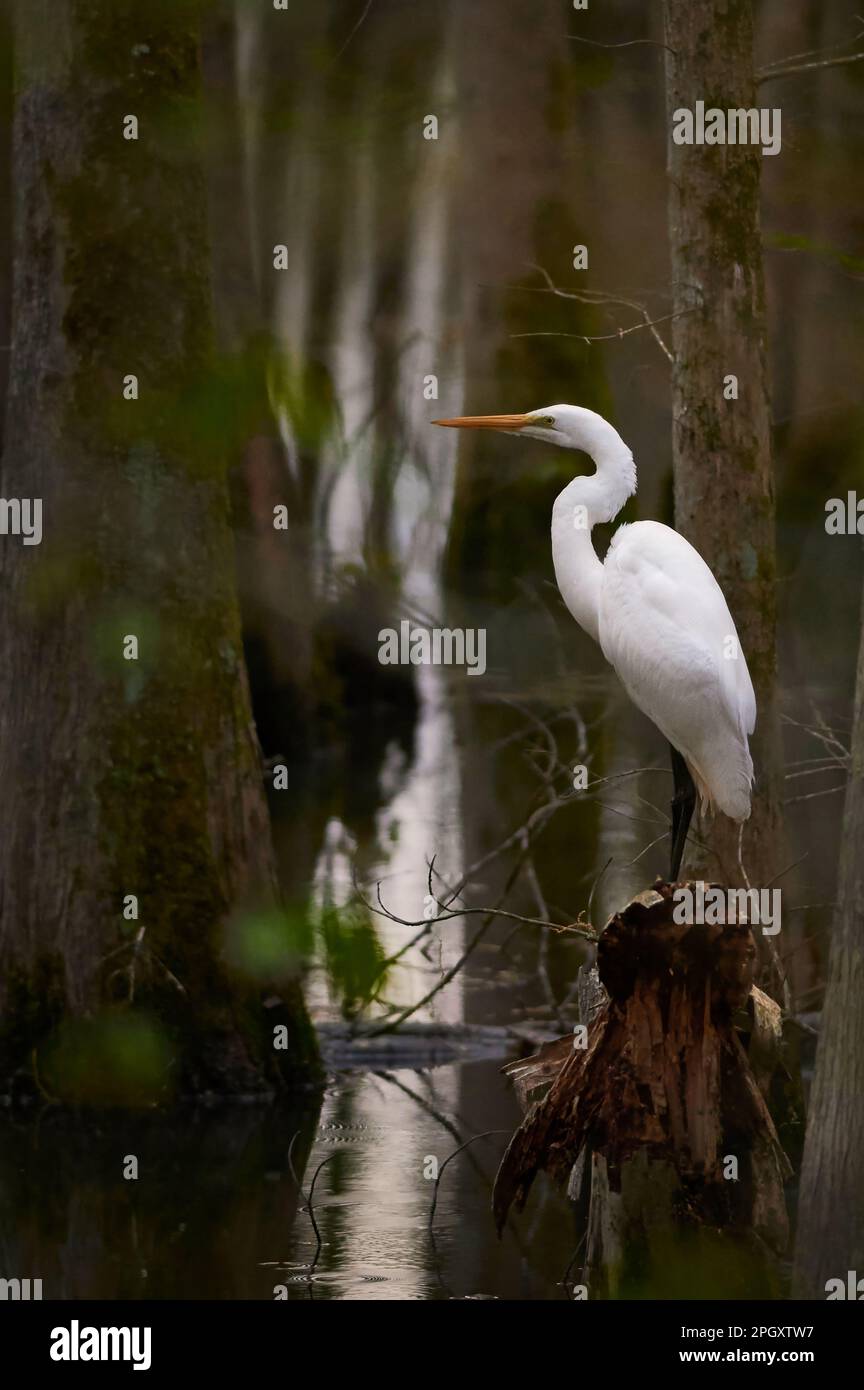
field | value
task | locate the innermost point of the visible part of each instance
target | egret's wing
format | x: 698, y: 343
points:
x: 666, y: 628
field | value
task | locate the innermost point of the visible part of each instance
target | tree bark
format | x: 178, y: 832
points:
x: 830, y: 1239
x: 682, y: 1056
x: 724, y: 489
x: 126, y: 777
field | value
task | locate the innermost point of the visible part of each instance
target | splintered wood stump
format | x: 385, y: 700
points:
x: 659, y: 1126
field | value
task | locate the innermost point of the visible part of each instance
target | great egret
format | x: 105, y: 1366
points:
x: 658, y: 613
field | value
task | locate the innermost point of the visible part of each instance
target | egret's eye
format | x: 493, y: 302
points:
x: 548, y: 421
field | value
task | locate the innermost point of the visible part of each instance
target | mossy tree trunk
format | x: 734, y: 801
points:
x: 126, y: 777
x: 831, y: 1204
x: 724, y: 490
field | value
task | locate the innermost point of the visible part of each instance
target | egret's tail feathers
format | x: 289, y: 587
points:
x: 727, y: 788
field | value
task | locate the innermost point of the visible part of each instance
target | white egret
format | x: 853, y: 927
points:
x: 657, y: 612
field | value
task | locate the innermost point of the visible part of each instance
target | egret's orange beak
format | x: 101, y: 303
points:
x: 486, y: 422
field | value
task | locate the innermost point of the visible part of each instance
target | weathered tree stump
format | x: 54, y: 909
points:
x: 659, y: 1126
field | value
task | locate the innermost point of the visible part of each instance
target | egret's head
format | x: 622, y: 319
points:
x: 568, y: 426
x: 573, y: 427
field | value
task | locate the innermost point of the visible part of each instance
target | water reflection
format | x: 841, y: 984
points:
x: 214, y: 1212
x: 372, y: 1202
x: 213, y: 1184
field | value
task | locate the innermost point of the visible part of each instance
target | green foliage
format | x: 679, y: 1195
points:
x: 273, y: 946
x: 353, y: 956
x: 700, y: 1263
x: 790, y: 241
x: 269, y: 946
x: 301, y: 391
x: 117, y: 1058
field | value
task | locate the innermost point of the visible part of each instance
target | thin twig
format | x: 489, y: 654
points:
x: 311, y: 1209
x: 599, y: 297
x: 543, y: 950
x: 771, y: 75
x: 353, y: 31
x: 447, y: 916
x: 291, y: 1169
x: 595, y: 886
x: 455, y: 1154
x: 808, y: 796
x: 607, y: 337
x: 789, y: 868
x: 629, y: 43
x: 492, y: 913
x: 814, y: 52
x: 587, y: 298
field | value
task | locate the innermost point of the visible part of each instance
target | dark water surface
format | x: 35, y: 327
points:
x: 214, y: 1211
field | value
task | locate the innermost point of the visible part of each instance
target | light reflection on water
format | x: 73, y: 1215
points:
x: 372, y: 1202
x: 214, y: 1210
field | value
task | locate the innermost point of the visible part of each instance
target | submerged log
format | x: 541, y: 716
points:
x: 659, y: 1125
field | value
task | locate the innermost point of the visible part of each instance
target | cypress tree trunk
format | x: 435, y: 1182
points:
x: 124, y: 776
x: 724, y: 491
x: 831, y: 1204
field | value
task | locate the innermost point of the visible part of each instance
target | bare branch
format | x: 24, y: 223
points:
x: 816, y: 52
x: 609, y: 337
x: 784, y: 67
x: 454, y: 1154
x: 595, y: 885
x: 445, y: 915
x: 354, y: 30
x: 600, y: 297
x: 543, y: 950
x: 810, y: 796
x: 771, y: 75
x: 630, y: 43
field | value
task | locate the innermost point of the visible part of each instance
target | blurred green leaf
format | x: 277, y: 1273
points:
x: 269, y: 946
x: 117, y: 1058
x: 787, y: 241
x: 301, y: 392
x: 353, y: 955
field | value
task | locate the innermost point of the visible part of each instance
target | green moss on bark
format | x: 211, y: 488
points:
x: 155, y: 783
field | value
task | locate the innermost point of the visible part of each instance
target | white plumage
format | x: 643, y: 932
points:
x: 666, y: 628
x: 653, y: 605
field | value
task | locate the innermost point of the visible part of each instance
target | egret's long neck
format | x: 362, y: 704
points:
x: 583, y: 503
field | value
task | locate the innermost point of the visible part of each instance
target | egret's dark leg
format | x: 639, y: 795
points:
x: 683, y: 805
